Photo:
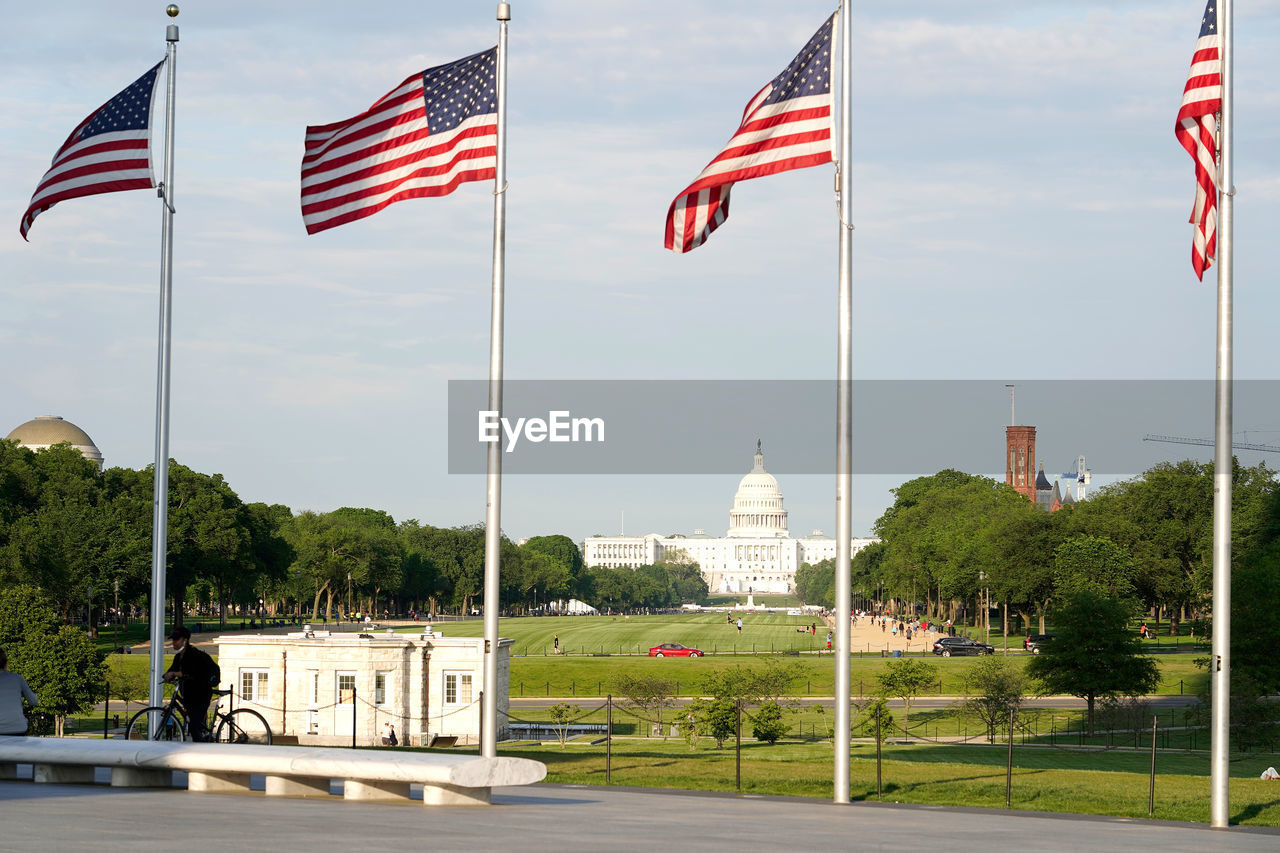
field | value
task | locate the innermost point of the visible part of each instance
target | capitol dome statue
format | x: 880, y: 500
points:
x: 48, y: 430
x: 757, y: 505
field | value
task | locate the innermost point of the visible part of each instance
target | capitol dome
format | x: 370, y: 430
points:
x: 48, y: 430
x: 757, y: 505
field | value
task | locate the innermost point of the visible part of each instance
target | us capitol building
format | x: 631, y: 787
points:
x: 756, y: 555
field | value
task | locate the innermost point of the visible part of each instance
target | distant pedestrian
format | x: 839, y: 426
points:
x: 828, y: 641
x: 739, y: 624
x: 555, y: 644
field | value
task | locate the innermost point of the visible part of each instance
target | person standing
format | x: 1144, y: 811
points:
x: 739, y: 624
x: 198, y: 674
x: 555, y: 644
x: 13, y: 689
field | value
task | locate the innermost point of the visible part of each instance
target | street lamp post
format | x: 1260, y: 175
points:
x: 986, y: 606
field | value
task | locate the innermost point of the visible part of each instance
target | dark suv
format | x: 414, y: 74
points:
x: 1035, y: 642
x: 949, y: 646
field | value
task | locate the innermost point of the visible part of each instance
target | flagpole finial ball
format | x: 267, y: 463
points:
x: 171, y: 10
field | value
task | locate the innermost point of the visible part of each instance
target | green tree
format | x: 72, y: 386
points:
x: 563, y: 550
x: 561, y: 715
x: 1095, y: 564
x: 60, y: 662
x: 24, y: 610
x: 1094, y: 653
x: 907, y: 678
x: 713, y: 718
x: 64, y: 669
x: 768, y: 723
x: 998, y: 687
x: 816, y: 583
x: 335, y: 550
x: 206, y: 535
x: 873, y: 718
x: 936, y: 536
x: 1021, y: 568
x: 1165, y: 519
x: 687, y: 584
x: 645, y: 696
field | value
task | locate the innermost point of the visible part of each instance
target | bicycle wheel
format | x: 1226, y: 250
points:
x: 173, y: 727
x: 243, y: 725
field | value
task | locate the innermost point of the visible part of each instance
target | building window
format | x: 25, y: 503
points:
x: 253, y: 685
x: 346, y: 687
x: 457, y: 688
x: 380, y: 688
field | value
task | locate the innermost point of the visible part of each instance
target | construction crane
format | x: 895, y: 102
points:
x: 1208, y: 442
x: 1081, y: 476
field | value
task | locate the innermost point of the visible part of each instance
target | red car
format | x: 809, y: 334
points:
x: 674, y: 650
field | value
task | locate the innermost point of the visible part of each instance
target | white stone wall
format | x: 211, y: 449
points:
x: 302, y: 697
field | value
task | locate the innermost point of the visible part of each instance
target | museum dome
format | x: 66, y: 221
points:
x: 48, y: 430
x: 757, y: 505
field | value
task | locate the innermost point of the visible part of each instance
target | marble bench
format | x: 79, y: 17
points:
x: 290, y: 771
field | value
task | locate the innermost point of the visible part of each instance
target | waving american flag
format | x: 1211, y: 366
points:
x: 1196, y: 129
x: 108, y: 152
x: 787, y: 125
x: 435, y: 130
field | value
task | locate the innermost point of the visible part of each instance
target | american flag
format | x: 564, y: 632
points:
x: 1197, y: 129
x: 787, y: 125
x: 108, y: 152
x: 434, y: 131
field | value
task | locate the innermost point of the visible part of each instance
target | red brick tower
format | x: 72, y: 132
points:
x: 1020, y: 455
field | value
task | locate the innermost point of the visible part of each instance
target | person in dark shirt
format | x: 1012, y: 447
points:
x: 199, y: 674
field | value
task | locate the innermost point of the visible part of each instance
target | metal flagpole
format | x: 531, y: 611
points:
x: 1219, y: 755
x: 493, y: 479
x: 844, y: 416
x: 160, y: 499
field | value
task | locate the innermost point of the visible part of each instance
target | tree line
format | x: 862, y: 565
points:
x: 85, y: 538
x: 951, y: 538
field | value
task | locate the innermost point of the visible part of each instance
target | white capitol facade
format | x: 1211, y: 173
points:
x: 756, y: 555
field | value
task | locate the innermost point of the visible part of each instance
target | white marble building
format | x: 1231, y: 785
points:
x: 757, y: 554
x: 308, y: 684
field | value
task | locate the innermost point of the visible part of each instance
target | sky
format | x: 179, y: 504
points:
x: 1020, y: 208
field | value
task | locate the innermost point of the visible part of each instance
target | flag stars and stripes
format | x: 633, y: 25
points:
x: 786, y: 125
x: 110, y: 151
x: 1197, y: 129
x: 434, y: 131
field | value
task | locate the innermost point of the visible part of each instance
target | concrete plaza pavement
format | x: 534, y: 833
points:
x: 562, y: 819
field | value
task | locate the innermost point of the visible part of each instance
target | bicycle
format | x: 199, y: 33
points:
x: 241, y: 725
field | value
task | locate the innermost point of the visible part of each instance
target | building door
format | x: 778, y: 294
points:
x: 344, y: 711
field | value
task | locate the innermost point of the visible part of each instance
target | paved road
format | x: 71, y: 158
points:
x: 565, y: 819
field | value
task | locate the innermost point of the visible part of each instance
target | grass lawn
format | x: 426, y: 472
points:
x: 1052, y: 771
x: 1085, y: 782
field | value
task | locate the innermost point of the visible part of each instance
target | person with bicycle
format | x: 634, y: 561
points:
x: 198, y: 674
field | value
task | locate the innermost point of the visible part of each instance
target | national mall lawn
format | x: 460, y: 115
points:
x: 1049, y: 773
x: 1055, y: 767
